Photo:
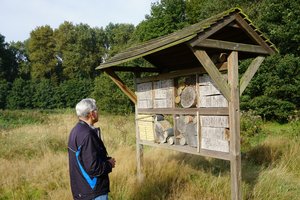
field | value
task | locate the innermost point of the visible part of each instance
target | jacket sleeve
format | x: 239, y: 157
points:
x: 91, y: 159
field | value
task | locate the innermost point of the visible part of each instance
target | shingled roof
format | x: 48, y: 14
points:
x: 174, y: 51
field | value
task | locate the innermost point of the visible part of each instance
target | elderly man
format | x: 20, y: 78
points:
x: 89, y: 164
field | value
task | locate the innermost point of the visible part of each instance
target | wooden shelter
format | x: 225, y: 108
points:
x: 197, y: 88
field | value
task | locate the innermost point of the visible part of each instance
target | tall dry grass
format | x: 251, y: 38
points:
x: 34, y: 165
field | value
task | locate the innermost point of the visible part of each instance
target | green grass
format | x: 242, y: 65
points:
x: 291, y: 130
x: 34, y: 162
x: 17, y: 118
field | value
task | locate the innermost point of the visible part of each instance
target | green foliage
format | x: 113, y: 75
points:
x: 251, y: 130
x: 44, y: 95
x: 79, y: 49
x: 109, y: 97
x: 279, y: 19
x: 274, y: 92
x: 8, y: 64
x: 20, y: 95
x: 166, y: 17
x: 41, y: 50
x: 17, y: 118
x: 4, y: 88
x: 197, y: 11
x: 72, y: 91
x: 118, y: 37
x: 21, y: 53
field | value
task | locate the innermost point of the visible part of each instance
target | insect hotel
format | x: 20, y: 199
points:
x: 190, y: 103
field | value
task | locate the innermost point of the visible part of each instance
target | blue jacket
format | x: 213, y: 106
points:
x: 88, y: 165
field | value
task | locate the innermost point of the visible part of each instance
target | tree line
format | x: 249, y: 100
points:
x: 54, y: 68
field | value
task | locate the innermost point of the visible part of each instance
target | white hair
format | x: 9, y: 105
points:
x: 85, y: 106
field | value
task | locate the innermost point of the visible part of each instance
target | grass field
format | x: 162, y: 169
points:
x: 34, y: 162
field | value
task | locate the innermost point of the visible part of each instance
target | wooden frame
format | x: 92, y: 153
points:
x: 198, y: 46
x: 221, y: 111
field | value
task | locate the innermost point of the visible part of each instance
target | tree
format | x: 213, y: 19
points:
x: 21, y: 53
x: 274, y: 92
x: 44, y: 94
x: 279, y: 19
x: 42, y: 55
x: 4, y: 88
x: 20, y: 95
x: 80, y: 50
x: 8, y: 65
x: 72, y: 91
x: 197, y: 11
x: 118, y: 37
x: 166, y: 17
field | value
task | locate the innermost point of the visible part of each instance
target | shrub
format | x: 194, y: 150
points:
x: 4, y: 88
x: 43, y: 96
x: 72, y: 91
x: 20, y: 96
x: 251, y: 129
x: 272, y: 109
x: 274, y: 91
x: 110, y: 98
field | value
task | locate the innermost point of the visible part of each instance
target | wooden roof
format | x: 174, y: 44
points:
x: 227, y: 31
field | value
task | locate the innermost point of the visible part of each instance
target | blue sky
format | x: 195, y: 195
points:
x: 19, y: 17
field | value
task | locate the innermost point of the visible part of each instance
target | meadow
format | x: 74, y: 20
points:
x: 34, y: 162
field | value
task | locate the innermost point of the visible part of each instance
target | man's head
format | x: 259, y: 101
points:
x: 86, y: 110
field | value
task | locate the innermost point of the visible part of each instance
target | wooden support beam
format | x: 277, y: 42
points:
x: 188, y: 149
x: 114, y: 77
x: 213, y: 72
x: 134, y: 69
x: 191, y: 111
x: 253, y: 34
x: 234, y: 46
x: 234, y: 125
x: 179, y: 73
x: 211, y: 30
x: 248, y: 75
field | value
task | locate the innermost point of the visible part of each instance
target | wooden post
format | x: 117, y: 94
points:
x: 139, y: 151
x: 139, y: 146
x: 234, y: 123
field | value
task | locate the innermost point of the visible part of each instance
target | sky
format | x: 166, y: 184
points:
x: 19, y: 17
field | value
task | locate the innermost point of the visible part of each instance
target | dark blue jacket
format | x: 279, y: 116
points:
x: 88, y: 165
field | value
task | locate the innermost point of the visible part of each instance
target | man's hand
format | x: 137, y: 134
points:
x: 112, y: 161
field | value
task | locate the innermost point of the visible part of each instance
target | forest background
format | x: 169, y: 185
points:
x: 54, y: 68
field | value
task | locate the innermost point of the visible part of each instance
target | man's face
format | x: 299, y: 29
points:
x: 94, y: 115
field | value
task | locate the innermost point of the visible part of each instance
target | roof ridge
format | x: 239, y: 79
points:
x: 180, y: 36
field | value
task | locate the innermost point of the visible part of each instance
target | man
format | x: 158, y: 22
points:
x: 89, y: 164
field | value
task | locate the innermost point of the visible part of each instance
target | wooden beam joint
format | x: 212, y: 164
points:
x: 213, y: 72
x: 115, y: 78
